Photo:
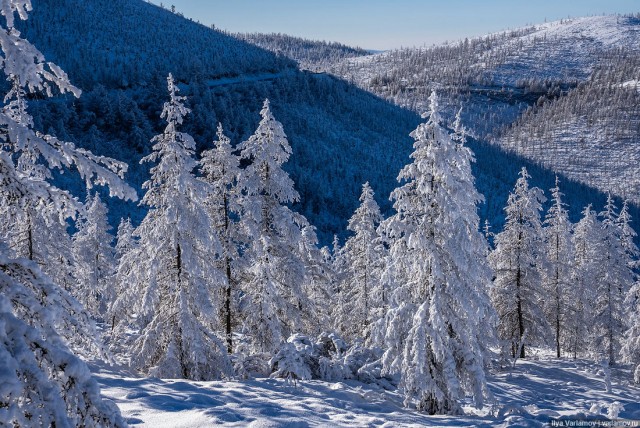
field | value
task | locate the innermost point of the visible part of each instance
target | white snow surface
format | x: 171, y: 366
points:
x: 539, y: 389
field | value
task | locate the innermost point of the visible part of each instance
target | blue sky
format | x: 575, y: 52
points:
x: 385, y: 24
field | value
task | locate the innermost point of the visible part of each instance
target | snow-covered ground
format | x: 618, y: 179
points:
x: 538, y: 389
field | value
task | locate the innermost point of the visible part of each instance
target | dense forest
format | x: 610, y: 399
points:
x: 337, y: 137
x: 220, y: 267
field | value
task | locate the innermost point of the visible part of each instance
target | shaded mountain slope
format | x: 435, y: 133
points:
x: 341, y: 135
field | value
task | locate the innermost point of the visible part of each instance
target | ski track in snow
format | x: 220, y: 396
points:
x: 536, y: 391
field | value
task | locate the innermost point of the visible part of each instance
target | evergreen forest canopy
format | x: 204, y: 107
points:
x: 221, y: 275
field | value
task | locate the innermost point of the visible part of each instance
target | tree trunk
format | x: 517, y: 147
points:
x: 227, y: 308
x: 610, y: 332
x: 520, y: 314
x: 557, y: 296
x: 227, y: 302
x: 179, y: 263
x: 179, y: 339
x: 29, y: 236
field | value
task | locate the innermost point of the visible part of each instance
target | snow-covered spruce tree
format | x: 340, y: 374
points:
x: 517, y: 260
x: 33, y: 155
x: 318, y: 283
x: 274, y: 303
x: 586, y: 241
x: 557, y: 273
x: 125, y: 239
x: 175, y: 280
x: 125, y: 252
x: 361, y: 287
x: 40, y: 234
x: 631, y: 343
x: 43, y: 383
x: 94, y: 259
x: 627, y: 235
x: 613, y: 279
x: 289, y: 362
x: 220, y: 169
x: 34, y: 211
x: 436, y: 232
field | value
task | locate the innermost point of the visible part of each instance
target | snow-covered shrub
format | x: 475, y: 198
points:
x: 247, y: 365
x: 330, y: 348
x: 293, y: 359
x: 612, y: 409
x: 359, y: 361
x: 330, y: 344
x: 327, y: 358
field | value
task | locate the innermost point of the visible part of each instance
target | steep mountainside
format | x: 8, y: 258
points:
x: 593, y: 133
x: 124, y: 43
x: 572, y: 79
x: 534, y: 61
x: 309, y: 54
x: 120, y: 51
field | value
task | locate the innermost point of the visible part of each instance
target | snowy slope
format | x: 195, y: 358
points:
x: 537, y: 390
x: 496, y: 78
x: 565, y: 50
x: 592, y: 134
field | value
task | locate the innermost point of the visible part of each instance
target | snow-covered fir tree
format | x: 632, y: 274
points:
x: 125, y: 238
x: 175, y: 280
x: 627, y: 234
x: 613, y: 279
x: 37, y: 231
x: 631, y: 343
x: 517, y: 260
x: 125, y: 252
x: 274, y: 303
x: 94, y: 259
x: 33, y: 155
x: 34, y: 221
x: 586, y: 241
x: 221, y: 169
x: 557, y: 274
x: 43, y: 383
x: 289, y: 362
x: 318, y: 284
x: 362, y: 295
x: 443, y: 300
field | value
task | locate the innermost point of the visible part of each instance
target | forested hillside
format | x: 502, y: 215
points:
x: 455, y: 260
x: 591, y: 134
x: 124, y: 44
x: 339, y: 140
x: 573, y: 82
x: 341, y: 135
x: 309, y: 54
